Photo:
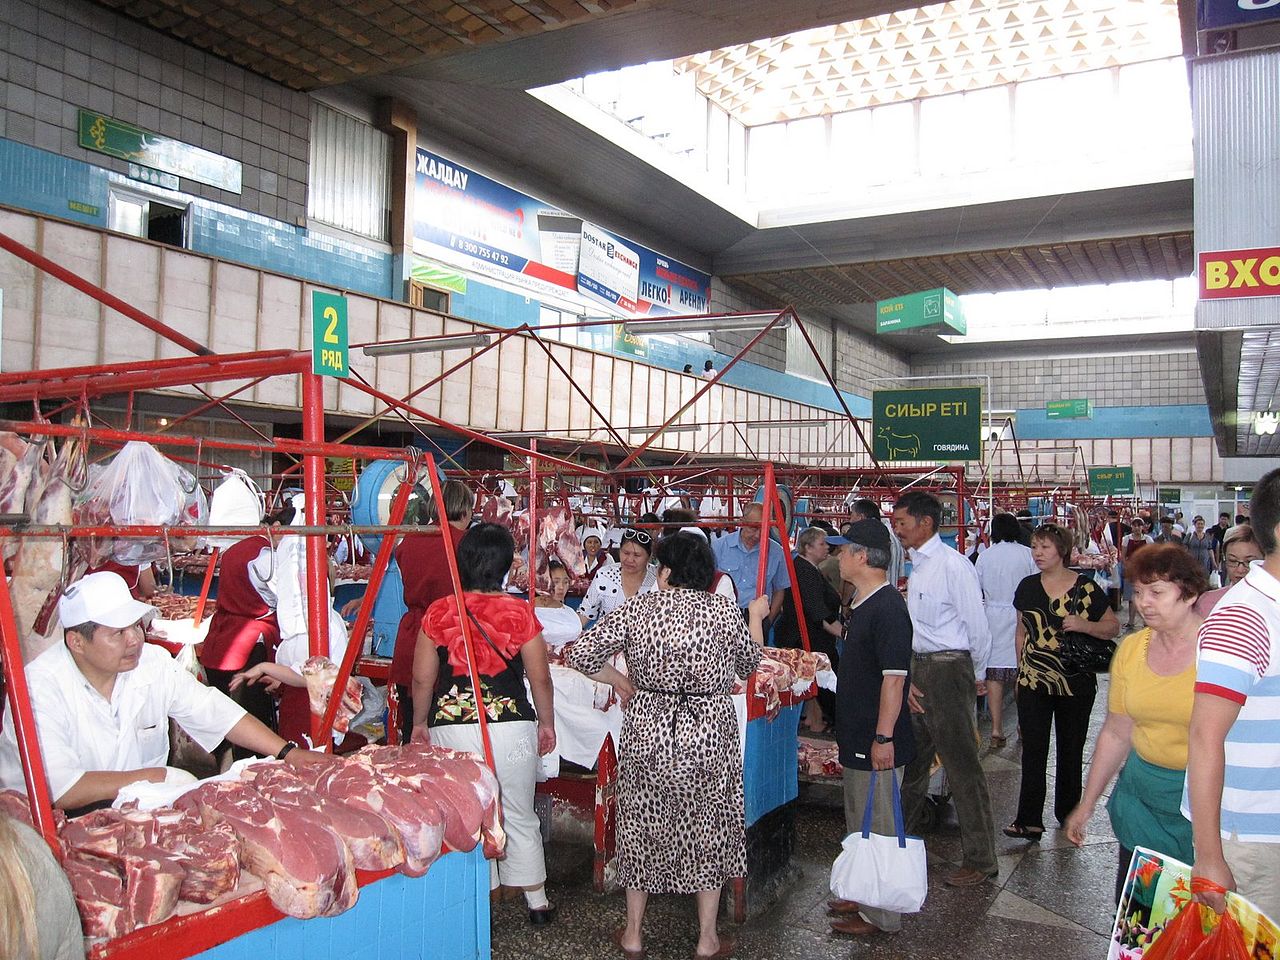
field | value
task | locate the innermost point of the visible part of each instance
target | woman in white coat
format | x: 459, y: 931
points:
x: 1001, y: 567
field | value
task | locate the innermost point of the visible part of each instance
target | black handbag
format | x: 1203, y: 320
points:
x: 1081, y: 652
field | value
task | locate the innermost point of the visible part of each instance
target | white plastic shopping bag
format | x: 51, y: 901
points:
x: 887, y: 873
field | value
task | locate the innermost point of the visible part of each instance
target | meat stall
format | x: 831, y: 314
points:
x: 260, y: 861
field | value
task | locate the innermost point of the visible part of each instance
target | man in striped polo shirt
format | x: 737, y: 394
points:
x: 1233, y: 768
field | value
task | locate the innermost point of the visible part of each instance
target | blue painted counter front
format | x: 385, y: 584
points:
x: 442, y: 916
x: 771, y: 767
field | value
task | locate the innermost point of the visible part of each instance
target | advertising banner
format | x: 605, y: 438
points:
x: 943, y: 423
x: 467, y: 220
x: 1214, y: 14
x: 1231, y: 274
x: 608, y: 269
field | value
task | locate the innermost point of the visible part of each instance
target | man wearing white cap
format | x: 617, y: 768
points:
x: 103, y: 699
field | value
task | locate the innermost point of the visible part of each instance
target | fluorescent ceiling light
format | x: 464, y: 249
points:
x: 749, y: 321
x: 1264, y: 424
x: 461, y: 341
x: 788, y: 424
x: 674, y: 428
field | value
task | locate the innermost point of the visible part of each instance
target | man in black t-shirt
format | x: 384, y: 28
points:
x: 873, y: 724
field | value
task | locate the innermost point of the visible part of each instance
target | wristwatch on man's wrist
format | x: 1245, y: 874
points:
x: 284, y: 751
x: 881, y: 738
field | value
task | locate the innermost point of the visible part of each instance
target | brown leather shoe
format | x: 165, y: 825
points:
x: 842, y: 908
x: 969, y: 877
x: 855, y: 926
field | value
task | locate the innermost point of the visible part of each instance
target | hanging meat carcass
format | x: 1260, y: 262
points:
x: 38, y: 566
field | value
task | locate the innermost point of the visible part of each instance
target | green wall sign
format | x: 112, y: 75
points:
x: 628, y: 343
x: 1170, y: 494
x: 942, y: 423
x: 1079, y: 409
x: 116, y: 138
x: 1104, y: 481
x: 930, y: 310
x: 328, y: 334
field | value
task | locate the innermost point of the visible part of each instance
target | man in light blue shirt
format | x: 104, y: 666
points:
x: 738, y: 555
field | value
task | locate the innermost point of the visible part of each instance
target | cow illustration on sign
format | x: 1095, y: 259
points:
x: 898, y: 446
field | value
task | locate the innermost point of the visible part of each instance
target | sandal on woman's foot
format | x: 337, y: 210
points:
x: 1019, y: 832
x: 998, y: 742
x: 626, y: 954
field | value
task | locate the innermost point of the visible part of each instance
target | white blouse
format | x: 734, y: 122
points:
x: 605, y: 593
x: 560, y: 625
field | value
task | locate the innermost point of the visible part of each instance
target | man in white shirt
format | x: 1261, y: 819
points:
x: 103, y: 699
x: 951, y: 642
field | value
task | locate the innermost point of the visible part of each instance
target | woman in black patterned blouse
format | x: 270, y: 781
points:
x: 1055, y: 600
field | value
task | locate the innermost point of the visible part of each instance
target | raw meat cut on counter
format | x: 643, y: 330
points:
x: 156, y: 857
x: 102, y: 833
x: 320, y: 674
x: 418, y: 819
x: 785, y: 670
x: 210, y: 860
x: 306, y: 867
x: 152, y: 882
x: 99, y: 895
x: 177, y: 606
x: 374, y: 843
x: 467, y: 787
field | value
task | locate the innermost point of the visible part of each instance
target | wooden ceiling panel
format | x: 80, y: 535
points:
x: 306, y: 44
x: 1165, y: 256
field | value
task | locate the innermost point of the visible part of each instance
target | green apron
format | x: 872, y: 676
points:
x: 1146, y: 809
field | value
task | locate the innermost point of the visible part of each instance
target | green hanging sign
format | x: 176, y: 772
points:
x: 328, y: 334
x: 1106, y: 481
x: 943, y: 423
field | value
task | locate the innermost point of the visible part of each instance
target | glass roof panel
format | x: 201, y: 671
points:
x: 929, y: 51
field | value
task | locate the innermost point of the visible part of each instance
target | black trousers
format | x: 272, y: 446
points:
x: 1068, y: 717
x: 252, y: 696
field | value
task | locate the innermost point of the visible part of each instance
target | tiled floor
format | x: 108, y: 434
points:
x: 1051, y: 901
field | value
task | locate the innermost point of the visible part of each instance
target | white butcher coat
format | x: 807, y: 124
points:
x: 1001, y: 567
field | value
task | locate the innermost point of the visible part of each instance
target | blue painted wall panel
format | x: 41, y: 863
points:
x: 442, y: 916
x: 46, y: 183
x: 1188, y: 420
x: 771, y: 764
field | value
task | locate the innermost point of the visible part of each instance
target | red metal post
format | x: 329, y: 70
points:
x: 770, y: 494
x: 205, y: 586
x: 115, y: 303
x: 464, y: 622
x: 780, y: 524
x: 533, y: 525
x: 356, y: 641
x: 317, y: 557
x: 24, y: 722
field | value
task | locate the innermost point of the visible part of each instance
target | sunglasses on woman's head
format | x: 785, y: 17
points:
x: 639, y: 536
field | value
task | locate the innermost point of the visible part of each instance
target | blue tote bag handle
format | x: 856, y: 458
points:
x: 897, y: 809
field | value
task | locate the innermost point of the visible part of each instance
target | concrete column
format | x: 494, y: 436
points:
x: 400, y: 122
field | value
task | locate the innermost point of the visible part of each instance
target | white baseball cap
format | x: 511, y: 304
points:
x: 101, y: 598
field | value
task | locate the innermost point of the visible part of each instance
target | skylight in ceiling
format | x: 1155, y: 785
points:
x: 929, y: 51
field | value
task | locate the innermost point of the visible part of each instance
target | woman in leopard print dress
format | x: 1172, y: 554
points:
x: 680, y: 807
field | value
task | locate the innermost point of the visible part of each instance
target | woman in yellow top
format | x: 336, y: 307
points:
x: 1144, y: 738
